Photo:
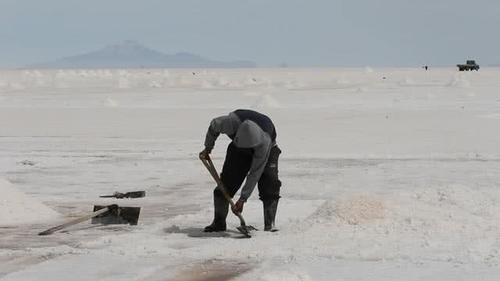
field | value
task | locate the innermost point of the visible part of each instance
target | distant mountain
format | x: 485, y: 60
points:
x: 132, y: 54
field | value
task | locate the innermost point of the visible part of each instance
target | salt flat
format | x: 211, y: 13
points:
x: 388, y: 174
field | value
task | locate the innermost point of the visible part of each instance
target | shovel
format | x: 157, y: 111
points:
x: 243, y: 228
x: 111, y: 214
x: 131, y: 194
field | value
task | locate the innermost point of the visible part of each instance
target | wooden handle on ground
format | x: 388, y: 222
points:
x: 75, y: 221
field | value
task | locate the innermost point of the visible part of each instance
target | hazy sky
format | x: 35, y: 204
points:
x: 269, y: 32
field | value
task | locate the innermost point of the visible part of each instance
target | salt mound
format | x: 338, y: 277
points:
x: 18, y: 208
x: 360, y: 209
x: 354, y: 210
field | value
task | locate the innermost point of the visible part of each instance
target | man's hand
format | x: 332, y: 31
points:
x: 238, y: 207
x: 205, y: 154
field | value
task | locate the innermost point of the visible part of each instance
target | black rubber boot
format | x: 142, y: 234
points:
x: 270, y: 208
x: 221, y: 208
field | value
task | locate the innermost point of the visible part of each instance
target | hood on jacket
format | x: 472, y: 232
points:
x: 248, y: 135
x: 227, y: 124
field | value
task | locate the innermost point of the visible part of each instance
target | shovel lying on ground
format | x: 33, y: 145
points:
x: 243, y: 228
x: 112, y: 214
x: 132, y: 194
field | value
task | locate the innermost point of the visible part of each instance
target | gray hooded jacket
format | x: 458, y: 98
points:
x: 247, y: 134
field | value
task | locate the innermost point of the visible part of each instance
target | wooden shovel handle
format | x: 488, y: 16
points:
x: 78, y: 220
x: 213, y: 171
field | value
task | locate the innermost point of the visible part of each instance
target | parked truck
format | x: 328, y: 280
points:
x: 468, y: 66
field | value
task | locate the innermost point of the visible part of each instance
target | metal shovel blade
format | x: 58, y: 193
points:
x: 119, y: 215
x: 245, y: 230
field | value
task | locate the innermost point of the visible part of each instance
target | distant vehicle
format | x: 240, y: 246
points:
x: 469, y: 66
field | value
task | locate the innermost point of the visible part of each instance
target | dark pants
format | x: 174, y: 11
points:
x: 236, y: 167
